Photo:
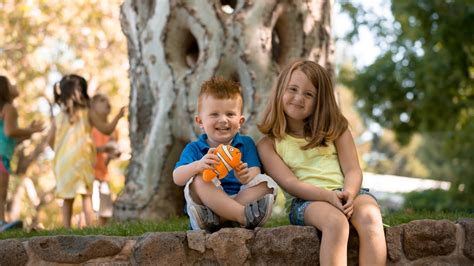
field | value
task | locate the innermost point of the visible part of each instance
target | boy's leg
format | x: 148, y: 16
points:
x: 200, y: 216
x: 67, y: 212
x: 217, y: 200
x: 335, y: 231
x: 367, y: 220
x: 258, y: 196
x: 106, y: 204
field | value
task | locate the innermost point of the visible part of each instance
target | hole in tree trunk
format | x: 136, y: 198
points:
x: 192, y: 51
x: 228, y: 6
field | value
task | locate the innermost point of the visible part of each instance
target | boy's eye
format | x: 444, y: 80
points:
x: 230, y: 114
x: 213, y: 114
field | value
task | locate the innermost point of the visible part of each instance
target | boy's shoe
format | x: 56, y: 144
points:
x: 4, y: 226
x: 203, y: 218
x: 258, y: 212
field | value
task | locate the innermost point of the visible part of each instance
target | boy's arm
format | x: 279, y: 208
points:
x: 183, y: 173
x: 103, y: 126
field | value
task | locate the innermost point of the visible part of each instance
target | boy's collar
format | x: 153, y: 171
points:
x: 202, y: 141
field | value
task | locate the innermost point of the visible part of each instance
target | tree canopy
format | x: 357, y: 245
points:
x: 423, y: 83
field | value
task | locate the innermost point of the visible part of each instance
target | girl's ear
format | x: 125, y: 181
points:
x: 198, y: 121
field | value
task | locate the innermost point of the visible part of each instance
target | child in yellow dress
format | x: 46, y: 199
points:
x: 75, y: 153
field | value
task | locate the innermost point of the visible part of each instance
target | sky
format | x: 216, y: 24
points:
x: 366, y: 48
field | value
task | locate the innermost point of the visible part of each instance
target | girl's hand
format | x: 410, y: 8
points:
x: 207, y: 161
x: 348, y: 206
x: 242, y: 173
x: 36, y: 126
x: 335, y: 199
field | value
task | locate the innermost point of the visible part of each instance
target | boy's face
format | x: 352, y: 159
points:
x: 220, y: 119
x: 101, y: 105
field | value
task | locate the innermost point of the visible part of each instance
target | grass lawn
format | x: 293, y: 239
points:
x: 181, y: 224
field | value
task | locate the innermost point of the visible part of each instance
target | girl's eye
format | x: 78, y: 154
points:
x: 292, y: 89
x: 309, y: 95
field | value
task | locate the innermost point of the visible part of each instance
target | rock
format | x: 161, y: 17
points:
x: 160, y: 248
x: 286, y: 245
x: 75, y: 249
x: 425, y: 238
x: 230, y: 245
x: 12, y: 252
x: 468, y: 225
x: 197, y: 240
x: 394, y: 243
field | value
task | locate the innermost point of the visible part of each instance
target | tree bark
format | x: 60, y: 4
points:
x: 173, y: 47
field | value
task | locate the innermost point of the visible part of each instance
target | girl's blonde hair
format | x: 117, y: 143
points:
x: 71, y: 94
x: 324, y: 125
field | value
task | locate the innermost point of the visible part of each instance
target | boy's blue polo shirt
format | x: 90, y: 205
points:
x: 195, y: 150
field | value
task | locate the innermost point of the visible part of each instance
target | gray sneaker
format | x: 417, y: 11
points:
x: 258, y: 212
x: 201, y: 217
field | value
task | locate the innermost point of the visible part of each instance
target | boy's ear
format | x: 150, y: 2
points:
x: 198, y: 121
x: 241, y: 120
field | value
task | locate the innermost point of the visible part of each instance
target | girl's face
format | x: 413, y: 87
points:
x: 299, y: 98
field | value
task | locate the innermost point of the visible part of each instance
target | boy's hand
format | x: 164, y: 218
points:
x: 207, y: 161
x: 242, y: 173
x: 122, y: 111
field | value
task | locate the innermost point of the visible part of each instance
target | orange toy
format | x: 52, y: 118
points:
x: 229, y: 158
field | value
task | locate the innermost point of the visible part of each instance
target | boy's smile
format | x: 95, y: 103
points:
x: 220, y: 119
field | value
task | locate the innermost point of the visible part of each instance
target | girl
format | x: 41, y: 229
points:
x: 309, y: 151
x: 10, y: 135
x: 73, y: 163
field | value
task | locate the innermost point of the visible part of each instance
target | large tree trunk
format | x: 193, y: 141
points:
x: 176, y: 45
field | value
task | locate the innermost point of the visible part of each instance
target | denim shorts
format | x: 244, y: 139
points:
x: 298, y: 207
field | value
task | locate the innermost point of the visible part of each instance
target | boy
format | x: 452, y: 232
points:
x: 107, y: 149
x: 245, y: 197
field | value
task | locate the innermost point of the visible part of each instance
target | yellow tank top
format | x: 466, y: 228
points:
x: 317, y: 166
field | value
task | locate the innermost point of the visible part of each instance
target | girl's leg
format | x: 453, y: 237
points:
x: 87, y: 208
x: 217, y: 200
x: 367, y: 220
x: 67, y: 212
x: 335, y: 232
x: 4, y: 177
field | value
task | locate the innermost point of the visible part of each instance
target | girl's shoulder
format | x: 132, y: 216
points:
x: 7, y: 109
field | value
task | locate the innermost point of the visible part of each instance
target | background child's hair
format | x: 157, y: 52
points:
x: 325, y: 124
x: 96, y: 97
x: 4, y: 92
x: 220, y: 88
x: 71, y: 94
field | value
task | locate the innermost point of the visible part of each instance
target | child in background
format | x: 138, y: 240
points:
x: 75, y: 153
x: 107, y: 149
x: 309, y: 150
x: 245, y: 197
x: 10, y: 135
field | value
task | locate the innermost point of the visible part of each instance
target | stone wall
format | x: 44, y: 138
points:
x: 420, y: 242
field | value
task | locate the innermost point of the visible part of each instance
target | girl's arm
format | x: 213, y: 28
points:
x: 101, y: 124
x: 11, y: 126
x: 347, y: 154
x: 349, y: 162
x: 278, y: 170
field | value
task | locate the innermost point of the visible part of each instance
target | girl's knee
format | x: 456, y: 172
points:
x: 336, y: 223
